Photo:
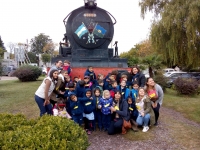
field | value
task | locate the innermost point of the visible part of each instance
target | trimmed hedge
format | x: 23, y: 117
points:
x: 28, y: 73
x: 47, y: 132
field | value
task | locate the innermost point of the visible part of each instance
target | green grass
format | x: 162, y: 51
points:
x: 189, y: 106
x: 18, y: 97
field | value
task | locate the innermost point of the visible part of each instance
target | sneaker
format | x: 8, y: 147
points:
x: 156, y: 124
x: 89, y: 132
x: 145, y: 129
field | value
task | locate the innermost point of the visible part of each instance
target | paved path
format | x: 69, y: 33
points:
x: 7, y: 78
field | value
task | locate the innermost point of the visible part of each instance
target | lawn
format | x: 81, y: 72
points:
x: 18, y: 97
x: 189, y: 106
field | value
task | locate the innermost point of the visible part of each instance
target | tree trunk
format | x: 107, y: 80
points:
x: 150, y: 72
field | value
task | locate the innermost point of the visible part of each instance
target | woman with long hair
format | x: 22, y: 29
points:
x: 155, y: 94
x: 120, y: 112
x: 137, y: 76
x: 43, y: 93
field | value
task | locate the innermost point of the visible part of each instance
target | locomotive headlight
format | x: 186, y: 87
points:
x: 90, y: 3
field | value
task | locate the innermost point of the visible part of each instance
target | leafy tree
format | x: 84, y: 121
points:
x: 32, y: 57
x: 46, y: 58
x: 2, y: 44
x: 42, y: 43
x: 153, y: 61
x: 1, y: 67
x: 177, y: 34
x: 2, y: 51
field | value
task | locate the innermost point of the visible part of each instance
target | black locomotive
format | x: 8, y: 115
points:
x: 89, y: 31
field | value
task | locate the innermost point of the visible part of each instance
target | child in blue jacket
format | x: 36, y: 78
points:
x: 77, y: 107
x: 133, y: 113
x: 97, y: 112
x: 104, y: 104
x: 88, y: 114
x: 123, y: 89
x: 134, y: 91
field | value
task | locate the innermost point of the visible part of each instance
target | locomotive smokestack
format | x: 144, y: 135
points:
x: 90, y: 4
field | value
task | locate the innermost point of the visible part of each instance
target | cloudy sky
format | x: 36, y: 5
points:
x: 24, y: 19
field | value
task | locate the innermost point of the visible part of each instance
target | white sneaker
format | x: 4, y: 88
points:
x: 145, y: 129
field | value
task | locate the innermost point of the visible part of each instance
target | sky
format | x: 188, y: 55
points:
x: 22, y: 20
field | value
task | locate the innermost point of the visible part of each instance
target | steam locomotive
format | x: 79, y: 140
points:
x: 89, y: 31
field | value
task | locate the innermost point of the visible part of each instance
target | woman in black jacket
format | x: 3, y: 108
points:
x: 120, y: 112
x: 138, y: 76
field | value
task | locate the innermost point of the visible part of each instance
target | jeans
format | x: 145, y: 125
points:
x: 115, y: 126
x: 106, y: 119
x: 156, y: 112
x: 43, y: 109
x: 98, y: 118
x: 143, y: 120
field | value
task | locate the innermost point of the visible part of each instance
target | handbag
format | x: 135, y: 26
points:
x: 126, y: 124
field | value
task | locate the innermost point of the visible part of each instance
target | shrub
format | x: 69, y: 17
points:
x: 186, y: 86
x: 48, y: 132
x: 28, y: 73
x: 161, y: 80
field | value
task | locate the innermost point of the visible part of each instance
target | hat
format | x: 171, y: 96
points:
x: 72, y: 93
x: 86, y: 77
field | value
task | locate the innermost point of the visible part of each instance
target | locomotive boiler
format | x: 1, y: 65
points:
x: 89, y: 31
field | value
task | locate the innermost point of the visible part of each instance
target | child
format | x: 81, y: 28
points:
x: 107, y: 82
x: 124, y: 90
x: 88, y: 114
x: 145, y: 110
x: 80, y: 88
x: 77, y: 108
x: 133, y: 113
x: 113, y: 89
x: 104, y: 104
x: 134, y: 91
x: 66, y: 66
x: 97, y: 112
x: 88, y: 84
x: 89, y: 72
x: 100, y: 86
x: 60, y: 110
x: 125, y: 78
x: 70, y: 90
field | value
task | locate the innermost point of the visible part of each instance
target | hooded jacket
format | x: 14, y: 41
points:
x: 105, y: 105
x: 89, y: 105
x: 90, y: 74
x: 77, y: 107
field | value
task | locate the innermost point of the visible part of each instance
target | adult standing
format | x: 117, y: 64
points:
x: 57, y: 66
x: 137, y: 76
x: 156, y: 94
x: 43, y: 93
x: 120, y: 112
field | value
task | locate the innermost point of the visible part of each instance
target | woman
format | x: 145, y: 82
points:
x: 146, y: 113
x: 155, y: 93
x: 120, y: 112
x: 137, y: 76
x: 43, y: 93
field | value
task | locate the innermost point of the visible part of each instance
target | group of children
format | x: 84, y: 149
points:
x: 89, y: 100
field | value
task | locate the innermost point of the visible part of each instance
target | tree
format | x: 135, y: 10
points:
x: 2, y: 44
x: 46, y: 58
x: 2, y: 51
x: 1, y: 67
x: 153, y: 61
x: 177, y: 34
x: 32, y: 57
x: 42, y: 44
